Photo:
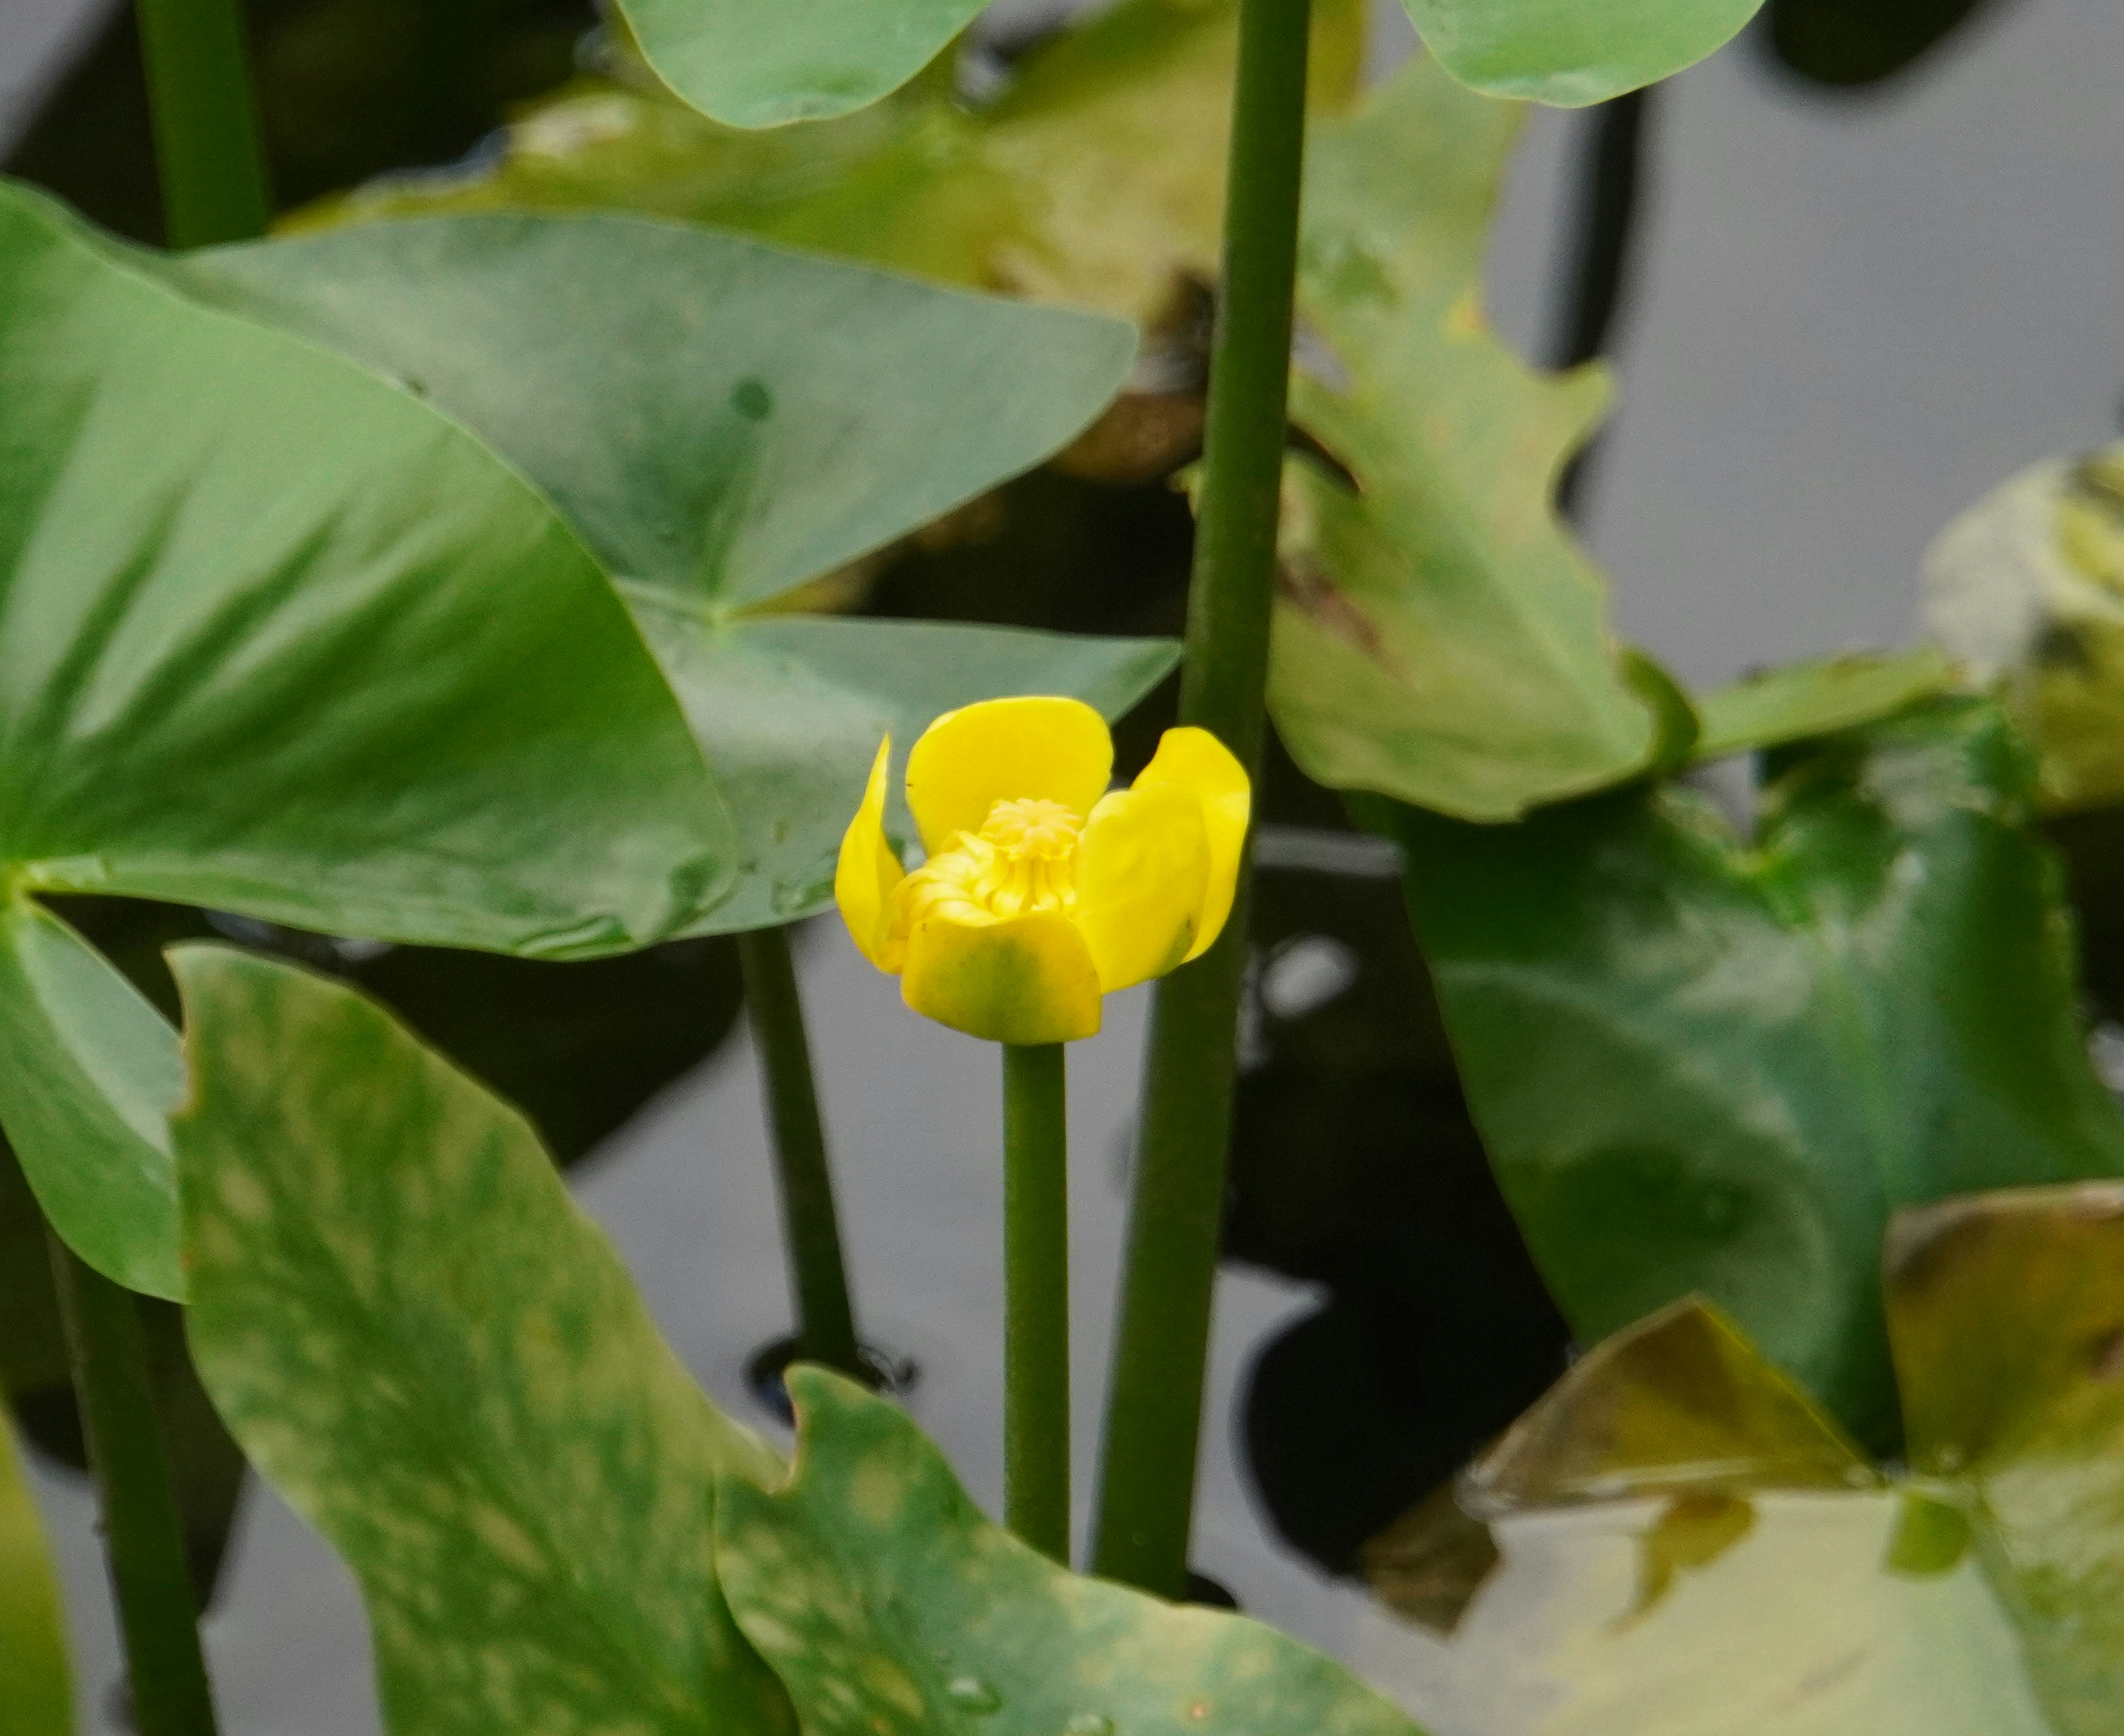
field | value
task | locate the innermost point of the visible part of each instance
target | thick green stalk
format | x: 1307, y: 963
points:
x: 143, y: 1536
x: 1154, y: 1404
x: 206, y: 125
x: 810, y: 1222
x: 1035, y: 1422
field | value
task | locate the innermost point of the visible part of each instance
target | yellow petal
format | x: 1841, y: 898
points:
x: 1026, y: 980
x: 868, y: 870
x: 1196, y: 760
x: 1143, y: 869
x: 1003, y: 750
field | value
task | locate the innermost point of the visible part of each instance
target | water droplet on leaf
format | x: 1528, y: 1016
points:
x: 1089, y: 1724
x: 970, y: 1694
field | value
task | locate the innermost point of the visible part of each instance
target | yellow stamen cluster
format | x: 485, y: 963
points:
x: 1022, y: 860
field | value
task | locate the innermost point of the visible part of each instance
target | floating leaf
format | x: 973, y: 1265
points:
x: 739, y: 422
x: 36, y: 1681
x: 1704, y: 1066
x: 436, y: 1356
x: 2008, y: 1314
x: 1789, y: 1591
x: 255, y: 664
x: 1778, y: 706
x: 1439, y: 636
x: 890, y: 1605
x: 1570, y: 53
x: 1680, y: 1404
x: 756, y: 66
x: 1097, y: 179
x: 2027, y: 588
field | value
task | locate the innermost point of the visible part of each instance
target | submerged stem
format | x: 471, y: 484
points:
x: 206, y: 125
x: 1036, y: 1428
x: 810, y: 1222
x: 1154, y: 1406
x: 143, y: 1532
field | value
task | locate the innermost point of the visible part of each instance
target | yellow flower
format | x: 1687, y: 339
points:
x: 1042, y: 891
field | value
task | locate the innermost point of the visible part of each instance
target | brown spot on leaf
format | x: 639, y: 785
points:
x: 1306, y: 587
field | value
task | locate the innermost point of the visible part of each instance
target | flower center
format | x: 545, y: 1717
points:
x: 1022, y: 860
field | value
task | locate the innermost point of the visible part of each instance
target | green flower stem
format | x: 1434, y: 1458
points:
x: 810, y: 1222
x: 206, y: 125
x: 1154, y: 1403
x: 1036, y: 1423
x: 142, y: 1533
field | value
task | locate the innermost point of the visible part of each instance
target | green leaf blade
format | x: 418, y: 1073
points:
x: 739, y: 420
x: 1439, y: 636
x: 255, y: 658
x: 1569, y: 55
x: 796, y: 786
x: 754, y: 66
x: 89, y: 1072
x: 890, y: 1605
x: 1748, y: 1056
x: 439, y: 1360
x: 746, y: 419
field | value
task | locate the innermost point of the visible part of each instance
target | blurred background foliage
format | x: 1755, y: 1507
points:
x: 1083, y: 166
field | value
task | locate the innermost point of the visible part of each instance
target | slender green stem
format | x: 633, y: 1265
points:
x: 810, y: 1222
x: 143, y: 1534
x: 1154, y: 1403
x: 206, y: 125
x: 1036, y: 1423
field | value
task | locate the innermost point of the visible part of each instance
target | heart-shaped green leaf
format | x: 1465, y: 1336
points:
x: 256, y: 662
x: 765, y: 66
x: 891, y: 1608
x: 437, y: 1358
x: 1439, y: 637
x: 1568, y: 53
x: 740, y: 421
x: 1703, y: 1065
x: 36, y: 1681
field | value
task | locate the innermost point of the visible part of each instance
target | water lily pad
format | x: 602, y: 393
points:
x: 1706, y: 1065
x: 255, y: 664
x: 740, y: 421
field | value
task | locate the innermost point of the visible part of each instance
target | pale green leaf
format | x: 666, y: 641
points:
x: 436, y: 1357
x: 1798, y: 700
x: 1747, y: 1595
x: 1439, y: 636
x: 891, y: 1608
x: 765, y: 66
x: 1571, y: 52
